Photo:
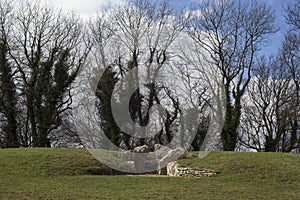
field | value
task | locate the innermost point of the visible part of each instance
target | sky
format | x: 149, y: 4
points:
x: 278, y: 6
x: 87, y: 8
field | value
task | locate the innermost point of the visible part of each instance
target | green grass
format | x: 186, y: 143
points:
x: 66, y: 174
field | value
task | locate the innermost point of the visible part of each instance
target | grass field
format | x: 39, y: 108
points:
x: 66, y: 174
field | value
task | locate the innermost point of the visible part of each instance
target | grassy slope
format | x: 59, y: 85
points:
x: 63, y: 174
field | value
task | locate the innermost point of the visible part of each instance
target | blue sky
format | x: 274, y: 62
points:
x: 87, y: 8
x: 278, y: 6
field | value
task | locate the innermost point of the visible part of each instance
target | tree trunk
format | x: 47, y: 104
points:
x: 229, y: 133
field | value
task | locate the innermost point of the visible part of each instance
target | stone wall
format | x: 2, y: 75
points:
x: 173, y: 169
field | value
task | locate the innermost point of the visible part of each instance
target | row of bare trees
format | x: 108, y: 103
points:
x: 271, y: 118
x: 42, y: 51
x: 186, y: 61
x: 136, y: 37
x: 224, y: 35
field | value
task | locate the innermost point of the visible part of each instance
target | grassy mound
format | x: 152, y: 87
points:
x: 51, y: 162
x: 69, y: 174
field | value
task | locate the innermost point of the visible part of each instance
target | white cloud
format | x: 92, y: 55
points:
x: 84, y: 8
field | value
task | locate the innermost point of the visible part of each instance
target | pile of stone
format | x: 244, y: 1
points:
x: 173, y: 169
x: 187, y: 172
x: 165, y: 162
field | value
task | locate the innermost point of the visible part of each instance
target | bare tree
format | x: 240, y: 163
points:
x: 290, y: 55
x: 293, y: 15
x: 270, y: 120
x: 138, y: 39
x: 48, y: 50
x: 230, y: 33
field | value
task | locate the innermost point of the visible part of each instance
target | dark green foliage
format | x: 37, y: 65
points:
x: 8, y: 97
x: 104, y: 92
x: 201, y: 133
x: 230, y: 132
x: 50, y: 93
